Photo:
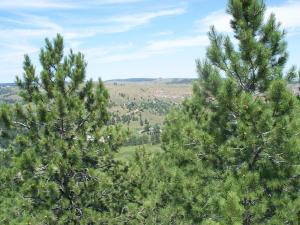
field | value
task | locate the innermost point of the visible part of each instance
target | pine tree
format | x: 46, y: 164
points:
x: 232, y: 154
x: 61, y: 168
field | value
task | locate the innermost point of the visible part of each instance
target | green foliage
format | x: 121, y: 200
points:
x: 232, y: 153
x: 59, y: 166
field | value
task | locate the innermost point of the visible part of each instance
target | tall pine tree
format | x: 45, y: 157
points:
x: 60, y: 167
x: 232, y: 154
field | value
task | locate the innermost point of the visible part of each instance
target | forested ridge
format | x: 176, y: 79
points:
x: 230, y: 152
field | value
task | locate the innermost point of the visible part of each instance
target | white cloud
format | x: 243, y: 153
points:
x: 117, y: 24
x: 112, y: 2
x: 34, y: 21
x: 138, y: 55
x: 109, y: 55
x: 98, y: 52
x: 147, y: 16
x: 288, y: 14
x: 129, y: 22
x: 200, y: 40
x: 32, y: 26
x: 120, y: 24
x: 163, y: 33
x: 20, y: 33
x: 114, y: 53
x: 220, y: 19
x: 58, y: 4
x: 37, y: 4
x: 11, y: 57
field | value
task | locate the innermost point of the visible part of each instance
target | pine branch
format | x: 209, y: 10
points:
x: 22, y: 125
x: 83, y: 122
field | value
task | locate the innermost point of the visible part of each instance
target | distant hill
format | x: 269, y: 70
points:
x: 180, y: 80
x: 7, y: 84
x: 155, y: 80
x: 135, y: 80
x: 132, y: 80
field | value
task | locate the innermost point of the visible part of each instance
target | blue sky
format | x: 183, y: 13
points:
x: 125, y: 38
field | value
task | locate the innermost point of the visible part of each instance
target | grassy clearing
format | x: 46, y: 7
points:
x: 148, y: 98
x: 127, y: 153
x: 148, y: 90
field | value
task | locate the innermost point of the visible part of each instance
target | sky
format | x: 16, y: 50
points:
x: 125, y: 38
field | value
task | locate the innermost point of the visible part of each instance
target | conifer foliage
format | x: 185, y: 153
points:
x: 232, y: 154
x: 60, y: 168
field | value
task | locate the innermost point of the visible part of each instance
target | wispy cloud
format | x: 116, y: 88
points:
x: 121, y: 53
x: 287, y: 14
x: 58, y: 4
x: 194, y: 41
x: 119, y: 24
x: 17, y: 50
x: 28, y: 25
x: 40, y: 26
x: 163, y: 33
x: 32, y: 26
x: 35, y: 4
x: 122, y: 57
x: 112, y: 2
x: 146, y: 16
x: 100, y: 52
x: 112, y: 32
x: 11, y: 57
x: 32, y: 21
x: 219, y: 19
